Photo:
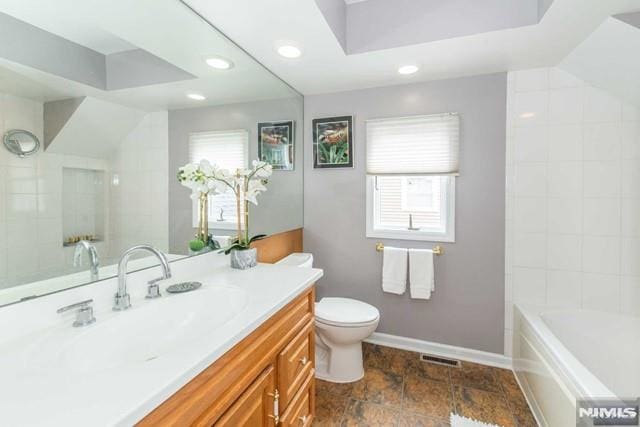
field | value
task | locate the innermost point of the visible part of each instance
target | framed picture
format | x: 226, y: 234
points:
x: 333, y: 142
x: 275, y: 144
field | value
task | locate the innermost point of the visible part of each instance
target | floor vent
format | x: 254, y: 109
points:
x: 439, y: 360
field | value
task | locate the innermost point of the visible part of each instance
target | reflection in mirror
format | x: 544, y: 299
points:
x: 21, y: 142
x: 120, y: 95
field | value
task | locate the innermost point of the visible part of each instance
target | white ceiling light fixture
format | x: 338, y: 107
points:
x: 408, y: 69
x: 289, y: 51
x: 196, y: 96
x: 219, y: 63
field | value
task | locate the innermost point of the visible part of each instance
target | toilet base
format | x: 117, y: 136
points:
x: 341, y: 364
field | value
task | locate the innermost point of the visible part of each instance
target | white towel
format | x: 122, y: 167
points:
x: 421, y: 277
x: 394, y: 270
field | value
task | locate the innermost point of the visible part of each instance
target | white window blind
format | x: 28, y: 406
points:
x: 228, y: 149
x: 417, y: 145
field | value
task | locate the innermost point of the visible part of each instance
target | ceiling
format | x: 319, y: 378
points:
x: 166, y: 29
x: 608, y: 58
x: 259, y: 26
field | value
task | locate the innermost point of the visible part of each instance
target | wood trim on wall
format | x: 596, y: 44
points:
x: 277, y: 246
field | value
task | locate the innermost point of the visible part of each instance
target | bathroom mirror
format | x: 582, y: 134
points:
x: 118, y: 95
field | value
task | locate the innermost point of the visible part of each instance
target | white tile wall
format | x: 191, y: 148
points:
x: 84, y: 197
x: 31, y: 202
x: 573, y: 196
x: 141, y: 166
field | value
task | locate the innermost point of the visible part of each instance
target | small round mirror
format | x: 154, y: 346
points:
x: 21, y: 142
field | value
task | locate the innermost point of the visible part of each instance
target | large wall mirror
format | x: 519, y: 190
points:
x: 120, y: 95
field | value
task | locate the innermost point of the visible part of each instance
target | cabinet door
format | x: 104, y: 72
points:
x: 255, y: 407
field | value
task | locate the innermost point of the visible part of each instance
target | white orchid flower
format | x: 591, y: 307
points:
x: 262, y: 170
x: 222, y: 174
x: 206, y: 167
x: 254, y: 188
x: 190, y: 169
x: 217, y: 187
x: 256, y: 185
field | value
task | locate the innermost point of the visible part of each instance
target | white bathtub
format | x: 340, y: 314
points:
x: 563, y: 355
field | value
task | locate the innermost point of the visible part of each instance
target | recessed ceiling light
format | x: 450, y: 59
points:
x: 527, y: 115
x: 219, y: 63
x: 289, y: 51
x: 196, y: 96
x: 408, y: 69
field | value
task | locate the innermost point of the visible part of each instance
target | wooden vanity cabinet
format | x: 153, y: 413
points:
x: 265, y: 380
x: 301, y: 410
x: 255, y: 406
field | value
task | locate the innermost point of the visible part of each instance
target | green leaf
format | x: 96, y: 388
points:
x: 233, y: 246
x: 257, y: 237
x: 332, y: 154
x: 325, y: 152
x: 341, y: 156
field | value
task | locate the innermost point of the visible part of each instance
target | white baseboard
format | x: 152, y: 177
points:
x: 442, y: 350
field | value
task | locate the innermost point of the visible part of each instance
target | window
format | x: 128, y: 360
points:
x: 411, y: 167
x: 228, y: 149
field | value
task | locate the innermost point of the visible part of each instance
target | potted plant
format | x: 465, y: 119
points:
x: 246, y: 184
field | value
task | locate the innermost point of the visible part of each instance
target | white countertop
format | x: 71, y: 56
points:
x: 66, y: 281
x: 47, y: 394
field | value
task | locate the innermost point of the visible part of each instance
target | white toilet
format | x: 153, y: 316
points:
x: 341, y: 326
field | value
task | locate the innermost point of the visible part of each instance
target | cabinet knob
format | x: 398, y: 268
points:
x: 304, y: 360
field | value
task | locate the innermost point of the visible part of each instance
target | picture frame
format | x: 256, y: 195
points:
x: 333, y: 142
x: 276, y: 144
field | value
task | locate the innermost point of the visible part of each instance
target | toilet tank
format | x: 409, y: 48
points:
x: 299, y: 259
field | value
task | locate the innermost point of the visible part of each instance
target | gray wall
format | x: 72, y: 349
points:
x: 467, y: 308
x: 280, y: 207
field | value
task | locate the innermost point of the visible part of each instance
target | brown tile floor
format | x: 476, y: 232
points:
x: 400, y: 390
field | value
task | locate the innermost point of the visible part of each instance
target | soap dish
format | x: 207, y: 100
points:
x: 183, y: 287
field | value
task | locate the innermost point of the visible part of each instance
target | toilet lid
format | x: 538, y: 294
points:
x: 345, y: 311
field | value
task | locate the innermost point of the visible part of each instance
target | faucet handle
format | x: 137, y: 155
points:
x: 153, y: 290
x: 84, y: 316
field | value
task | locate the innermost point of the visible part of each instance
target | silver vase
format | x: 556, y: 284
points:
x: 243, y: 259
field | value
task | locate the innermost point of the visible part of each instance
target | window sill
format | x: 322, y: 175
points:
x: 220, y: 225
x: 411, y: 235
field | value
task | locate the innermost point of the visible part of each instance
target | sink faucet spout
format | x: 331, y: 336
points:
x: 122, y: 299
x: 94, y: 261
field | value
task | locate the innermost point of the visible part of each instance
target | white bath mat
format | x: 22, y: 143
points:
x: 460, y: 421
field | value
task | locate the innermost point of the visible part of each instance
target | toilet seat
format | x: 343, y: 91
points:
x: 346, y: 312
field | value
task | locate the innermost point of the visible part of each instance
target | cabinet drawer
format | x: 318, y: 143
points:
x: 295, y: 362
x: 301, y: 410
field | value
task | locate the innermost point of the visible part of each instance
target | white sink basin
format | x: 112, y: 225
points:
x: 146, y: 331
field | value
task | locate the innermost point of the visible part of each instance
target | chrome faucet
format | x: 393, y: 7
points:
x: 94, y: 261
x: 122, y: 300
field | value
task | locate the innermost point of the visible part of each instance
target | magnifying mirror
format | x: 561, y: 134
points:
x: 21, y: 142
